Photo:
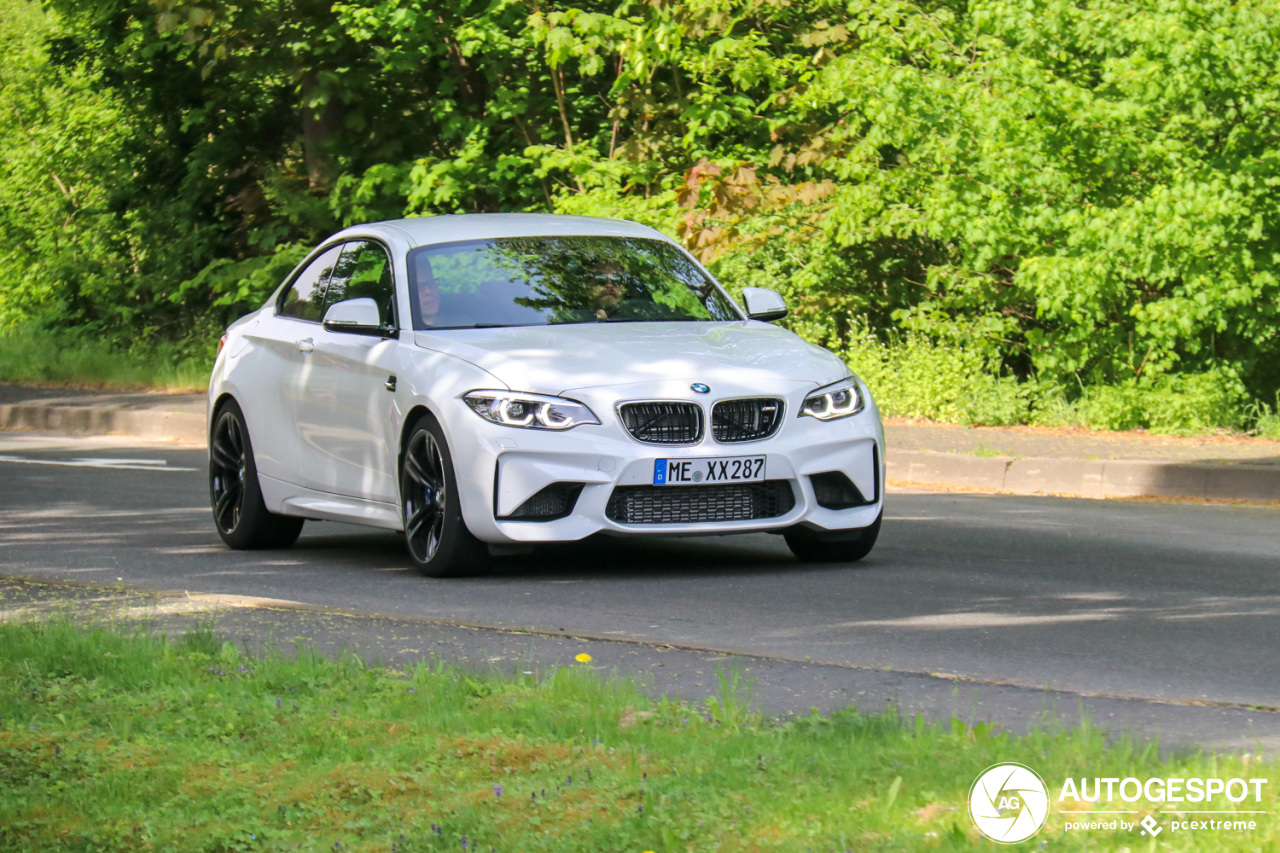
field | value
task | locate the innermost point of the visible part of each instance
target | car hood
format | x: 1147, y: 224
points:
x: 557, y: 359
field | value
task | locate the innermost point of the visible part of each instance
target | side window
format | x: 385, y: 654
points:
x: 305, y: 297
x: 364, y: 270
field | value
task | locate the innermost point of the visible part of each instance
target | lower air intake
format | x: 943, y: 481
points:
x: 693, y: 504
x: 834, y: 490
x: 550, y: 503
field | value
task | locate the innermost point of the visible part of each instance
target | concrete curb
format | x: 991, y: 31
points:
x: 1097, y: 478
x: 153, y: 424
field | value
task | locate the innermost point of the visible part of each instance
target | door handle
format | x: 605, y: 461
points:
x: 306, y: 345
x: 390, y: 383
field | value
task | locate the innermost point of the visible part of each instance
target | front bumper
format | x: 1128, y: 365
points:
x: 500, y: 468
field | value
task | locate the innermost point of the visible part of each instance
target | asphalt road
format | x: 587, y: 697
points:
x: 1173, y: 602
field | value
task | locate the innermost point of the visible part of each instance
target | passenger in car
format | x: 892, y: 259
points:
x: 428, y: 292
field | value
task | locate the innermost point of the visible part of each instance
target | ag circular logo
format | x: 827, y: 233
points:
x: 1008, y: 803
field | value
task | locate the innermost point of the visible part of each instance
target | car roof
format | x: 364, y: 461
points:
x: 429, y: 230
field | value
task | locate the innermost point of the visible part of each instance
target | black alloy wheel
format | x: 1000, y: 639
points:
x: 242, y: 519
x: 426, y: 496
x: 439, y: 543
x: 226, y: 473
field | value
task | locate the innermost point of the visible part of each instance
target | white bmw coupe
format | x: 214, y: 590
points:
x: 488, y: 382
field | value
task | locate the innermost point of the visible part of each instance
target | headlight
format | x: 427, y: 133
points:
x: 838, y: 400
x: 532, y: 411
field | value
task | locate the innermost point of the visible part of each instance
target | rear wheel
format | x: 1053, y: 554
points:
x: 837, y: 547
x: 242, y: 519
x: 439, y: 543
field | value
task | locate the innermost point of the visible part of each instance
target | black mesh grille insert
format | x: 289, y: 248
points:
x: 550, y: 503
x: 662, y: 423
x: 746, y: 420
x: 686, y: 504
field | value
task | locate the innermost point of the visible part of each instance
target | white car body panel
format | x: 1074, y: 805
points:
x: 327, y: 432
x: 342, y: 412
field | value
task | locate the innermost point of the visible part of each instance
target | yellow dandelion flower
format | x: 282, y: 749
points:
x: 583, y: 658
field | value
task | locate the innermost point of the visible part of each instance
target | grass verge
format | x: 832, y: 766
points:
x: 111, y: 741
x: 29, y: 356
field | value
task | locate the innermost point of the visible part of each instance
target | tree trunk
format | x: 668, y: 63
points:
x: 319, y: 126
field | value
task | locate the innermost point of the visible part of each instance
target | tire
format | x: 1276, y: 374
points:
x: 242, y: 519
x: 842, y: 547
x: 439, y: 543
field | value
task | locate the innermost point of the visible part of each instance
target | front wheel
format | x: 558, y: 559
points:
x: 835, y: 547
x: 242, y: 519
x: 439, y: 543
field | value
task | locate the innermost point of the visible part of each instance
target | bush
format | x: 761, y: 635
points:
x: 1169, y: 404
x: 916, y: 376
x: 938, y: 378
x: 921, y: 378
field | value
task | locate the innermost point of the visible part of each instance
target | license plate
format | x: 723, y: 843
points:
x: 701, y: 472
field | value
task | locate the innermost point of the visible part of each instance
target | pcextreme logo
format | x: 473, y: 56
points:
x: 1010, y: 802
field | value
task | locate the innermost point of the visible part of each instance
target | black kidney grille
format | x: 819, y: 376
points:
x: 689, y: 504
x: 746, y: 420
x: 662, y: 423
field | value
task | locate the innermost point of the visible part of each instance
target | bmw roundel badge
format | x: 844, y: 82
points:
x: 700, y: 388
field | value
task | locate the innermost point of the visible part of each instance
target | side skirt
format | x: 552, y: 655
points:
x: 289, y: 499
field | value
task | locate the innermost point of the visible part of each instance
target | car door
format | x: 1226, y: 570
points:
x: 345, y: 409
x: 280, y: 346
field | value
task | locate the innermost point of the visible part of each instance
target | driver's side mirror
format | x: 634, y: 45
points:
x: 764, y: 304
x: 355, y: 316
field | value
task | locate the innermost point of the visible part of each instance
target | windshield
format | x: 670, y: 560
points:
x: 536, y: 281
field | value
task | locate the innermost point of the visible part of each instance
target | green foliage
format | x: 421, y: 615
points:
x: 244, y: 282
x: 1077, y: 195
x: 59, y: 137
